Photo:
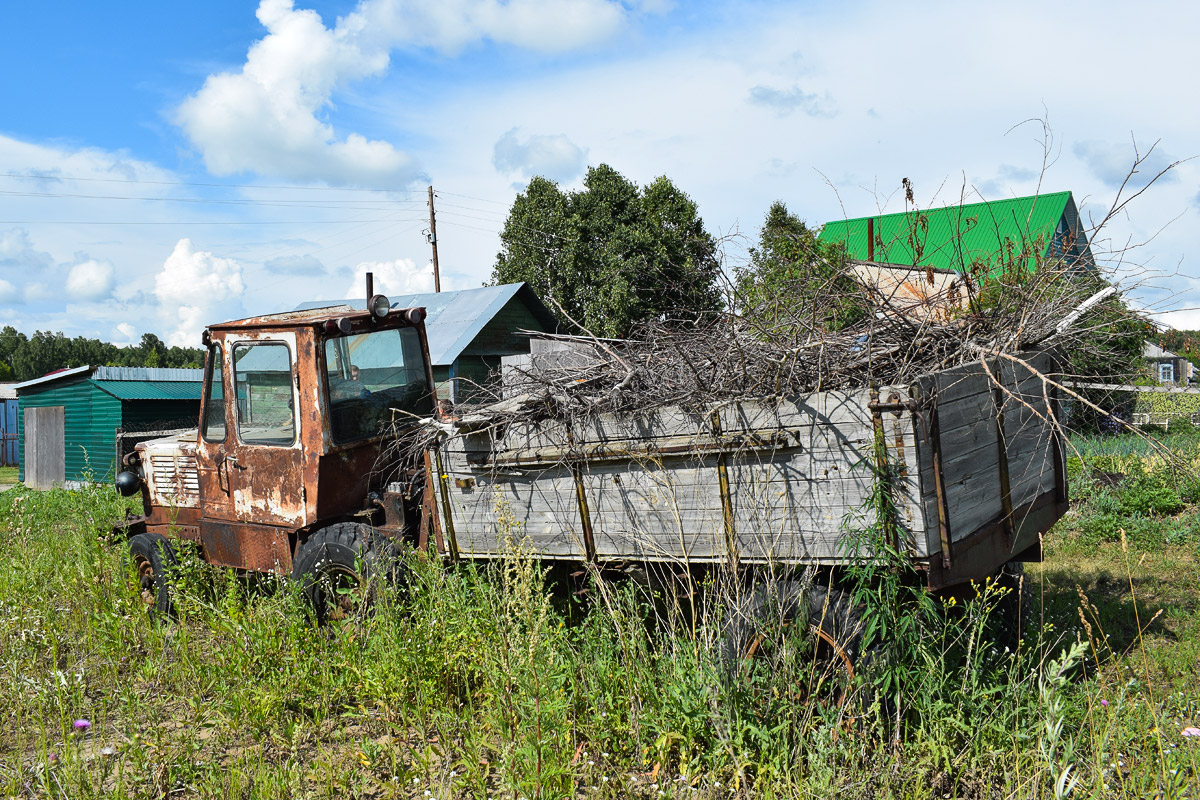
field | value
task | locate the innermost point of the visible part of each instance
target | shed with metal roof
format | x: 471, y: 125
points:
x: 470, y: 330
x: 98, y: 404
x: 972, y: 237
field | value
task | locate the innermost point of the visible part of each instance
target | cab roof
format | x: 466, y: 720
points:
x: 311, y: 316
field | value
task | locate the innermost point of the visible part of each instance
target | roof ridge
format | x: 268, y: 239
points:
x: 945, y: 209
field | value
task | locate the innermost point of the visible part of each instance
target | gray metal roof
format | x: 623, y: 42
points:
x: 456, y: 318
x: 147, y: 374
x: 119, y: 374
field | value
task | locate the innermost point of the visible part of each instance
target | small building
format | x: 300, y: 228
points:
x: 973, y: 237
x: 470, y: 330
x: 8, y: 425
x: 1167, y: 367
x: 69, y: 421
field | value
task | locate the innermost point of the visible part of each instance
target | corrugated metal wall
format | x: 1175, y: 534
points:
x: 92, y: 418
x: 9, y: 448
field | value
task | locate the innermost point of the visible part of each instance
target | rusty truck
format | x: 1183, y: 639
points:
x: 299, y: 467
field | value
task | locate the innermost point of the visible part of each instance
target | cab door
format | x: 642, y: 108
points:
x: 253, y: 493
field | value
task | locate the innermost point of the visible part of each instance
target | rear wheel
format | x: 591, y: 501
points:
x: 340, y: 569
x: 810, y: 630
x: 154, y: 563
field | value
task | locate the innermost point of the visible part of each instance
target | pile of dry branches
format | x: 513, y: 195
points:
x: 783, y: 350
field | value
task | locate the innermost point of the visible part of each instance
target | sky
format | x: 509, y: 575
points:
x: 168, y: 165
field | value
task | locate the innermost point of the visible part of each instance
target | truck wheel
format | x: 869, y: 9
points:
x: 790, y: 619
x: 1014, y: 608
x: 155, y: 563
x: 339, y: 569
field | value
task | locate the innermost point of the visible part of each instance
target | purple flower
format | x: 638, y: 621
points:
x: 1104, y: 703
x: 1191, y: 731
x: 82, y: 725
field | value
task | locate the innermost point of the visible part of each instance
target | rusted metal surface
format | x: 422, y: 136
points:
x: 430, y: 521
x: 249, y: 495
x: 451, y: 540
x: 939, y: 482
x: 309, y: 316
x: 769, y: 441
x: 585, y: 515
x: 172, y: 476
x: 731, y: 543
x: 263, y: 548
x: 883, y: 469
x: 1002, y: 447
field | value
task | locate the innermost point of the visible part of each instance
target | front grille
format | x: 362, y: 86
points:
x: 175, y: 479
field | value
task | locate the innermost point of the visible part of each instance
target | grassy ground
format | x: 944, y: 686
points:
x: 8, y: 475
x: 480, y: 684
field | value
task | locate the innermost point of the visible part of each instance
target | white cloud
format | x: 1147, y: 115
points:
x: 548, y: 26
x: 785, y: 101
x: 192, y: 286
x: 266, y: 118
x: 124, y: 332
x: 1113, y: 163
x: 555, y: 157
x: 305, y: 265
x: 91, y: 280
x: 393, y: 278
x: 8, y: 292
x: 16, y: 250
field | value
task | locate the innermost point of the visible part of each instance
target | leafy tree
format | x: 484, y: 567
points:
x: 610, y: 255
x: 791, y: 274
x: 24, y: 358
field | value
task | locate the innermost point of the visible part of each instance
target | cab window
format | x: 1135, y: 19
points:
x: 214, y: 397
x: 375, y: 380
x: 263, y: 381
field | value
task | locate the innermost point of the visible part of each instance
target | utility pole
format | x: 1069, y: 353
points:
x: 437, y: 278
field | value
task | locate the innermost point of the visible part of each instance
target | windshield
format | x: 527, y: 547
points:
x: 374, y: 379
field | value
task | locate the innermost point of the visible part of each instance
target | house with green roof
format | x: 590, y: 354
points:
x: 970, y: 237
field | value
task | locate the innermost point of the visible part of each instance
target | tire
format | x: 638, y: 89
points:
x: 340, y: 568
x: 764, y: 626
x: 155, y: 564
x: 1012, y: 610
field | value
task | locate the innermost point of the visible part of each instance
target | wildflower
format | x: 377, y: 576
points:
x: 1104, y: 703
x: 1191, y: 731
x: 82, y: 725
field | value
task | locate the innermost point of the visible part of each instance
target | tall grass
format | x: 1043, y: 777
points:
x: 484, y: 682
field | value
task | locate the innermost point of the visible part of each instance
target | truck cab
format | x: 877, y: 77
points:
x: 301, y: 432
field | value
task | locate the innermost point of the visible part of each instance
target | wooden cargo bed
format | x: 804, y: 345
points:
x: 975, y: 474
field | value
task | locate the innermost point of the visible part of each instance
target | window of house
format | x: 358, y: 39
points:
x: 1166, y: 373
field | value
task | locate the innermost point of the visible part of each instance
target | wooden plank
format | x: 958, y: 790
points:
x: 45, y: 453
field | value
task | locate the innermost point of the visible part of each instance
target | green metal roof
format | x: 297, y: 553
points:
x: 956, y: 236
x: 152, y: 390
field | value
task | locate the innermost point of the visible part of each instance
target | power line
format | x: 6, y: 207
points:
x: 196, y: 222
x: 206, y: 201
x: 31, y: 176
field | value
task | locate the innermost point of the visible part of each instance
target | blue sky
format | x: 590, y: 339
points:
x: 165, y: 165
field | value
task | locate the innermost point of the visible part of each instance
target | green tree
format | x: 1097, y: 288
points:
x: 610, y: 255
x: 791, y: 275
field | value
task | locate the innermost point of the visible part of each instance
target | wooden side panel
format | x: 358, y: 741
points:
x: 970, y: 447
x: 800, y: 475
x: 493, y: 513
